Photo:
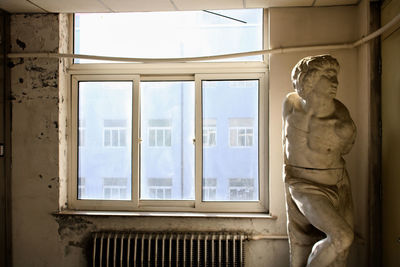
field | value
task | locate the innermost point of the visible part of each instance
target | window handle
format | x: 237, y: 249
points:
x: 140, y: 140
x: 194, y: 141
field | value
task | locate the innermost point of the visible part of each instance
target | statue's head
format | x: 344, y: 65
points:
x: 308, y: 70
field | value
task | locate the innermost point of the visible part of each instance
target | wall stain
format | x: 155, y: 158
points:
x: 72, y: 225
x: 13, y: 63
x: 21, y: 44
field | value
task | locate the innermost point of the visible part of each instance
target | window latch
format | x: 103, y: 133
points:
x: 1, y: 150
x: 194, y: 141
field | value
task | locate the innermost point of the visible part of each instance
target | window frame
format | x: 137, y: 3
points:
x: 232, y: 72
x: 137, y: 72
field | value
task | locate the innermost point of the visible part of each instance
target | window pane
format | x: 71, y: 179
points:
x: 168, y: 109
x: 104, y: 106
x: 235, y: 107
x: 169, y: 34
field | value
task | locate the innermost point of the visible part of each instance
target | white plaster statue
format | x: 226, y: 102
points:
x: 317, y: 131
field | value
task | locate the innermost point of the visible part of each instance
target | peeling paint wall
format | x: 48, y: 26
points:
x: 35, y: 174
x: 39, y: 131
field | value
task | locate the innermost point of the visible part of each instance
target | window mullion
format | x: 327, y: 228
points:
x: 136, y: 143
x: 198, y: 142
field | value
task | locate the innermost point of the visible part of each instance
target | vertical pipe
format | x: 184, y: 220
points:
x: 108, y: 250
x: 219, y: 251
x: 198, y: 249
x: 191, y: 250
x: 101, y: 250
x: 142, y: 250
x: 205, y: 250
x: 170, y: 251
x: 163, y: 251
x: 177, y: 251
x: 94, y: 250
x: 241, y: 249
x: 135, y: 249
x: 121, y: 257
x: 149, y: 249
x: 115, y: 251
x: 234, y: 250
x: 184, y: 249
x: 128, y: 250
x: 212, y: 249
x: 227, y: 249
x: 156, y: 250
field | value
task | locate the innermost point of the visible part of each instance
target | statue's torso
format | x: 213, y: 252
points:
x: 317, y: 143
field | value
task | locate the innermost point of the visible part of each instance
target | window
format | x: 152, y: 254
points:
x: 209, y: 188
x: 209, y: 132
x: 159, y: 133
x: 114, y: 133
x: 160, y: 137
x: 115, y: 188
x: 173, y: 34
x: 241, y: 189
x: 81, y: 187
x: 241, y: 132
x: 81, y: 132
x: 159, y: 188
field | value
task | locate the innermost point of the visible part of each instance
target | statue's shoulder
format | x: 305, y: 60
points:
x: 290, y: 103
x: 341, y: 109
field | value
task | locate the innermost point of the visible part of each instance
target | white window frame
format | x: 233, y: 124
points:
x: 174, y: 72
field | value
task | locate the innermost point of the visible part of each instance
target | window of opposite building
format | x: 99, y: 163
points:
x: 114, y: 133
x: 173, y: 128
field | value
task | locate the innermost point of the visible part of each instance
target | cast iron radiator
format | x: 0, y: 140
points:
x: 167, y: 249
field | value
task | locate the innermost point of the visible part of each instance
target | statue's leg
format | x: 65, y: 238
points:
x: 302, y: 235
x: 346, y: 210
x: 320, y: 212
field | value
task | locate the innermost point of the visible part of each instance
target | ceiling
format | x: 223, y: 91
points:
x: 72, y: 6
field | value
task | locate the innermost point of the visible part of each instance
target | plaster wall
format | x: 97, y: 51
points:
x: 390, y: 137
x: 39, y: 91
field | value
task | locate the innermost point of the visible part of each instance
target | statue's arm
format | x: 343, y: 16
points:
x: 287, y: 108
x: 347, y: 129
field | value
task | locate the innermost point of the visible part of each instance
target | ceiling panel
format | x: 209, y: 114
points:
x: 70, y: 6
x: 19, y: 6
x: 335, y: 2
x: 278, y: 3
x: 139, y: 5
x: 208, y: 4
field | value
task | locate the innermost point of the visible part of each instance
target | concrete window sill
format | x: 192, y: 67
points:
x: 168, y: 214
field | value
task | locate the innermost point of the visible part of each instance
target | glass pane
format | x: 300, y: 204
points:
x: 114, y: 138
x: 170, y: 163
x: 107, y: 137
x: 152, y: 137
x: 103, y: 106
x: 167, y: 138
x: 169, y: 34
x: 122, y: 137
x: 235, y: 107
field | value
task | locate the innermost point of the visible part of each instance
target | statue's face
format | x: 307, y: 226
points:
x: 326, y: 84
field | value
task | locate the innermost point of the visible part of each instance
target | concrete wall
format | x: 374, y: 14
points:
x: 391, y: 136
x: 39, y: 142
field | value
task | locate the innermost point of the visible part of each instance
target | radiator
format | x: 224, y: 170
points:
x: 167, y: 249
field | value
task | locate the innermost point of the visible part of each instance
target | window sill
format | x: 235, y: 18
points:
x: 167, y: 214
